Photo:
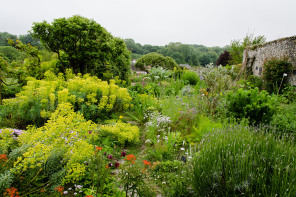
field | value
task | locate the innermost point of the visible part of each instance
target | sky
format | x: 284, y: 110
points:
x: 159, y: 22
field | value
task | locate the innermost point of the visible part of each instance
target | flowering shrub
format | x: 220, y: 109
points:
x: 11, y: 192
x: 158, y: 125
x: 66, y: 132
x: 122, y: 132
x: 39, y: 99
x: 8, y: 139
x: 133, y: 175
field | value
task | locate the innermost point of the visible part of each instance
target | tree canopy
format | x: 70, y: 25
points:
x: 194, y: 55
x: 155, y: 59
x: 84, y: 45
x: 237, y: 47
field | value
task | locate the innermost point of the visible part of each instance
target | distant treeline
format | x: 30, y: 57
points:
x: 192, y: 54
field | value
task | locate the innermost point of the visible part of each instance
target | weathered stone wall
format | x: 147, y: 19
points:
x: 256, y: 55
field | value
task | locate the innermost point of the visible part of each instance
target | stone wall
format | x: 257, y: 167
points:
x: 256, y: 55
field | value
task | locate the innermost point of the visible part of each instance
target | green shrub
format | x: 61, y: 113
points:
x: 190, y: 77
x: 240, y: 161
x: 285, y: 119
x: 256, y: 106
x: 95, y: 98
x: 273, y: 73
x: 124, y: 133
x: 155, y: 59
x: 255, y: 81
x: 159, y: 73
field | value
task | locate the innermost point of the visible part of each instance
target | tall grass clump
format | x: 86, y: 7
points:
x: 238, y: 161
x: 190, y: 77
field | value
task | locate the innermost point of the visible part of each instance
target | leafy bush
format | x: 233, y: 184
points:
x: 190, y: 77
x: 64, y: 142
x: 240, y: 161
x: 273, y: 73
x: 159, y: 73
x: 256, y: 82
x: 256, y: 106
x: 155, y: 59
x: 223, y: 59
x: 95, y: 98
x: 285, y: 119
x: 217, y: 80
x: 123, y: 133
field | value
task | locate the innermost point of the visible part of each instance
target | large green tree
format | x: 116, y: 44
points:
x: 83, y: 45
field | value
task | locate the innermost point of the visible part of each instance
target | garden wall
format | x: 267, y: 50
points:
x: 257, y: 54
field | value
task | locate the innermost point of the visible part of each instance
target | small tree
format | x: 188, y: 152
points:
x: 84, y: 46
x: 224, y: 58
x: 155, y: 59
x: 237, y: 47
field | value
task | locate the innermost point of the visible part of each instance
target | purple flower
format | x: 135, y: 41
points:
x: 89, y: 132
x: 123, y: 153
x: 116, y: 164
x: 110, y: 164
x: 109, y: 157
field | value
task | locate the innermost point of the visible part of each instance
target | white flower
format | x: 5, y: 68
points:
x: 285, y: 74
x: 75, y: 193
x: 65, y: 192
x: 70, y: 188
x: 182, y: 148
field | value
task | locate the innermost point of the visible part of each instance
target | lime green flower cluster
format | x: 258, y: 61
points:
x: 122, y: 132
x: 65, y: 130
x: 87, y: 93
x: 6, y: 140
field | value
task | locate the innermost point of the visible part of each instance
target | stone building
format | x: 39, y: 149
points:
x: 255, y: 56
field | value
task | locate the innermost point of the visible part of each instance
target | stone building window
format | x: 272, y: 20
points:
x: 260, y: 70
x: 256, y: 67
x: 294, y: 72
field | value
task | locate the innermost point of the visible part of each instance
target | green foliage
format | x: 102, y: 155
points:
x: 95, y: 98
x: 285, y: 119
x: 217, y: 80
x: 238, y: 161
x: 65, y: 138
x: 256, y: 82
x: 237, y: 47
x: 159, y: 74
x: 273, y: 73
x: 10, y: 54
x: 257, y: 107
x: 190, y: 77
x: 123, y: 133
x: 4, y: 36
x: 85, y: 46
x: 6, y: 180
x: 155, y: 60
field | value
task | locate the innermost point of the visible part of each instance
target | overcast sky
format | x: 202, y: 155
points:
x: 159, y: 22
